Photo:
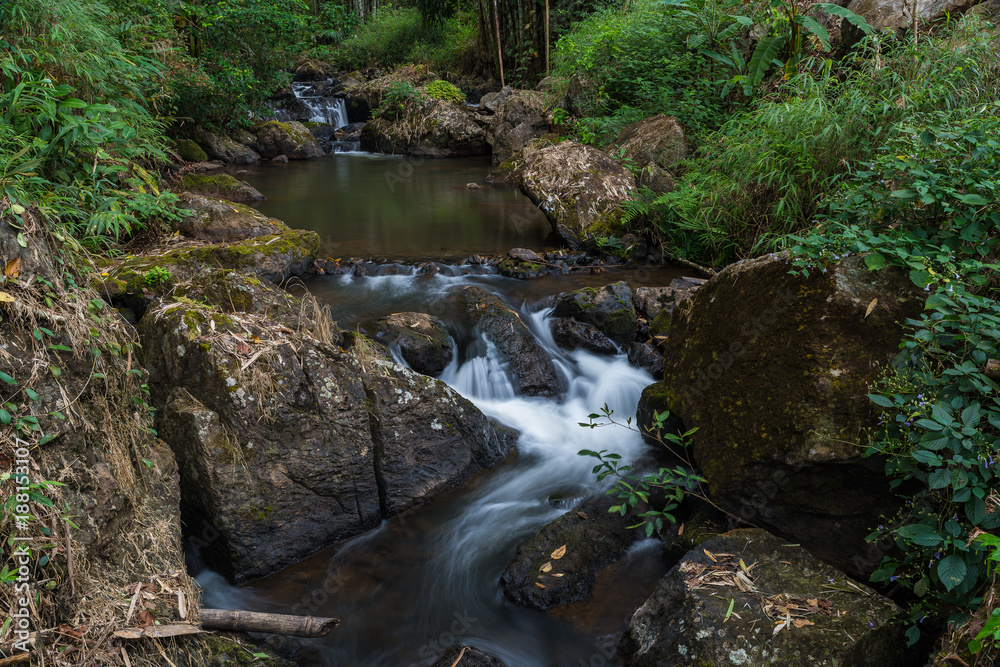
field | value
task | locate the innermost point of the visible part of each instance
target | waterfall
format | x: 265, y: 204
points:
x: 330, y: 110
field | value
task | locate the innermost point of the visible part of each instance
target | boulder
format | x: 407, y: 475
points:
x: 655, y: 306
x: 423, y: 340
x: 572, y: 335
x: 531, y: 369
x: 590, y: 538
x: 645, y: 356
x: 222, y: 186
x: 286, y: 442
x: 894, y: 15
x: 747, y: 598
x: 190, y: 151
x: 772, y: 369
x: 291, y: 139
x: 658, y: 141
x: 227, y: 150
x: 216, y: 220
x: 518, y: 118
x: 521, y: 269
x: 609, y: 309
x: 579, y: 188
x: 433, y: 128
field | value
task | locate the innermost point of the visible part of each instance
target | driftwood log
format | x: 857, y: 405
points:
x: 278, y: 624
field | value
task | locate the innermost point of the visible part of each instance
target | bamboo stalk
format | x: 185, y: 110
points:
x: 496, y: 16
x: 278, y: 624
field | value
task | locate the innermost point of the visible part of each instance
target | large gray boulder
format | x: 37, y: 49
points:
x: 747, y: 598
x: 898, y: 14
x: 227, y: 150
x: 580, y: 189
x: 291, y: 139
x: 423, y: 340
x: 285, y: 441
x: 772, y: 369
x: 658, y: 140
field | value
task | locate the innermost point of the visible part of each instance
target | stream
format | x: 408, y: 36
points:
x: 430, y: 577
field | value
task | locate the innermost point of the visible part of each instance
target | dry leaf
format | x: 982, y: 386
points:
x: 871, y: 307
x: 558, y: 574
x: 559, y: 553
x: 680, y: 530
x: 801, y: 622
x: 146, y: 618
x: 242, y: 348
x: 582, y: 515
x: 13, y: 268
x: 546, y: 567
x: 540, y: 585
x: 709, y: 554
x: 6, y: 298
x: 255, y: 339
x: 812, y: 602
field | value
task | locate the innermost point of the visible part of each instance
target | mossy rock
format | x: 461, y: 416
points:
x: 423, y: 340
x: 609, y: 309
x: 221, y: 186
x: 291, y: 139
x: 190, y: 151
x: 222, y: 651
x: 836, y: 622
x: 513, y: 268
x: 773, y: 369
x: 214, y: 220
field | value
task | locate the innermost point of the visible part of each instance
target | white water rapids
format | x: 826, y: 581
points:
x: 406, y: 590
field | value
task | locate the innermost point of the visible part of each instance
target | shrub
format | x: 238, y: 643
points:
x: 442, y: 90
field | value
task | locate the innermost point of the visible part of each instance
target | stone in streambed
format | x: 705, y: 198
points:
x: 572, y: 335
x: 590, y: 544
x: 423, y: 340
x: 531, y: 368
x: 222, y: 186
x: 609, y: 309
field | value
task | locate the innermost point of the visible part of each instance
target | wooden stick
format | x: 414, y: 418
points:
x: 14, y: 659
x: 459, y: 658
x: 69, y: 560
x: 496, y: 17
x: 546, y: 37
x: 278, y: 624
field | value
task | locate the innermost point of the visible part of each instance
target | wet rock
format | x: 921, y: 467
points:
x: 287, y: 443
x: 321, y: 131
x: 609, y: 309
x: 221, y: 186
x: 524, y: 255
x: 281, y: 159
x: 831, y: 620
x: 532, y: 371
x: 434, y: 128
x: 523, y: 270
x: 466, y: 656
x: 645, y: 356
x: 570, y: 334
x: 658, y: 141
x: 655, y: 306
x: 190, y: 151
x: 518, y: 118
x: 423, y: 340
x: 773, y: 369
x: 590, y: 544
x: 227, y: 150
x: 290, y: 139
x: 579, y: 188
x: 350, y: 132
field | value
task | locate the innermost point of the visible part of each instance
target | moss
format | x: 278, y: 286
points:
x: 218, y: 185
x: 258, y: 514
x: 190, y: 151
x: 224, y: 652
x: 660, y: 326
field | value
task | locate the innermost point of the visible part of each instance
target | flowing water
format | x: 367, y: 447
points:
x: 430, y: 577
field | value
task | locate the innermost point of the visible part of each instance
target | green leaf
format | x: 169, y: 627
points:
x: 816, y: 28
x: 31, y: 393
x: 939, y: 479
x: 846, y: 14
x: 951, y: 570
x: 878, y: 399
x: 874, y: 261
x: 766, y: 51
x: 7, y: 378
x: 4, y: 417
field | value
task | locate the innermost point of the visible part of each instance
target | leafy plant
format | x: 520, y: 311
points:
x: 398, y: 97
x: 157, y: 275
x: 662, y: 492
x: 440, y: 89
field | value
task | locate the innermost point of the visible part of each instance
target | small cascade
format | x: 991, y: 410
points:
x: 330, y: 110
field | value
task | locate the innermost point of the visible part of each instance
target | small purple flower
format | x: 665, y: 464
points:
x: 893, y: 578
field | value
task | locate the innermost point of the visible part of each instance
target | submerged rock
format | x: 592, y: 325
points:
x: 466, y: 656
x: 423, y: 340
x: 747, y: 598
x: 772, y: 369
x: 564, y: 556
x: 579, y: 188
x: 286, y: 442
x: 531, y: 369
x: 609, y: 309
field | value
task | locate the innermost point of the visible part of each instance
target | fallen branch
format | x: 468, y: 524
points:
x: 14, y: 659
x: 278, y: 624
x: 172, y: 630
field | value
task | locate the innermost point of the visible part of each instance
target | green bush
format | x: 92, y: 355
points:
x: 442, y: 90
x: 637, y: 63
x: 394, y: 36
